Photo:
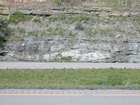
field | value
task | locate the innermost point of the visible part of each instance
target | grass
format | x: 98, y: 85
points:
x: 18, y: 17
x: 1, y: 5
x: 78, y: 18
x: 33, y: 33
x: 90, y: 32
x: 70, y: 78
x: 53, y: 19
x: 63, y: 59
x: 123, y: 5
x: 115, y: 4
x: 55, y: 30
x: 21, y: 30
x: 71, y: 34
x: 37, y: 20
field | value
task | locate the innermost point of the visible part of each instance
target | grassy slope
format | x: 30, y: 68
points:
x: 71, y: 79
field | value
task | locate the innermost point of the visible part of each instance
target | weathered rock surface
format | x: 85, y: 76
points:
x: 39, y: 51
x: 106, y: 36
x: 50, y: 9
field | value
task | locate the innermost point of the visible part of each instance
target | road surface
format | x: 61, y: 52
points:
x: 69, y: 97
x: 43, y: 65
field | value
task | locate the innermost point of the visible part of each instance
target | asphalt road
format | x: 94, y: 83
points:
x: 43, y: 65
x: 69, y: 97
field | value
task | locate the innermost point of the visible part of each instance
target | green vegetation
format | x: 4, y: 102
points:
x: 139, y: 31
x: 21, y: 30
x: 43, y: 33
x: 4, y: 32
x: 59, y: 2
x: 79, y: 18
x: 37, y: 20
x: 18, y: 17
x: 120, y: 30
x: 71, y: 78
x: 1, y: 41
x: 66, y: 59
x: 33, y: 33
x: 71, y: 33
x: 113, y: 3
x: 63, y: 59
x: 79, y: 26
x: 106, y: 31
x: 55, y: 31
x: 110, y: 31
x: 1, y: 5
x: 90, y: 32
x: 71, y: 18
x: 53, y: 19
x: 49, y: 29
x: 123, y: 4
x: 17, y: 39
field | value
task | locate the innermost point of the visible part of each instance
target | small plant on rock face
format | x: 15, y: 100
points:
x: 73, y: 19
x: 71, y: 33
x: 66, y: 59
x: 88, y: 32
x: 34, y: 33
x: 79, y: 26
x: 120, y: 30
x: 53, y: 19
x: 36, y: 20
x: 58, y: 2
x: 61, y: 31
x: 139, y: 31
x: 106, y: 31
x: 135, y: 62
x: 21, y: 30
x: 43, y: 33
x: 50, y: 29
x: 18, y: 17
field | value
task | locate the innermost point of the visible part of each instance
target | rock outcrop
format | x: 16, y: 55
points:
x: 86, y: 35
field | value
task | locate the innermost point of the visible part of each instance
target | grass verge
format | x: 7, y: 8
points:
x: 70, y: 78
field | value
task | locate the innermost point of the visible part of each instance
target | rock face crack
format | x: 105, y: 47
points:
x: 3, y: 53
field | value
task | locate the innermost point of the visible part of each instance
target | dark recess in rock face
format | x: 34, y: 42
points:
x: 3, y: 53
x: 4, y: 36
